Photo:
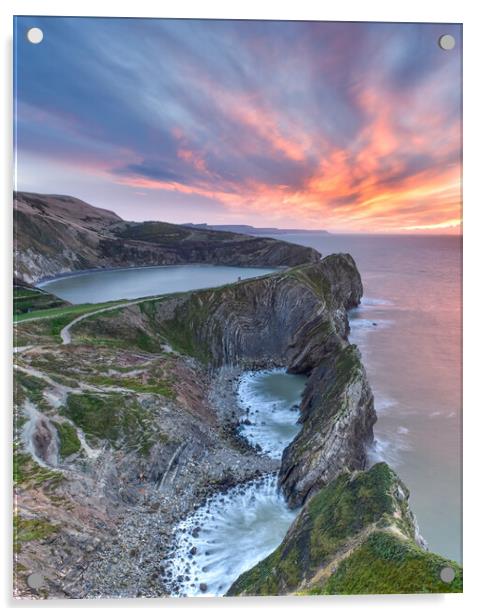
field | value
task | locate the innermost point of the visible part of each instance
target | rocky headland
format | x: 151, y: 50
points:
x: 130, y: 422
x: 357, y: 535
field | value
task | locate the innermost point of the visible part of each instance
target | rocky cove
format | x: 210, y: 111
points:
x: 238, y: 527
x: 136, y: 426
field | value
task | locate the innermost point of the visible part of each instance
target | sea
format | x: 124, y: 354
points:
x: 409, y: 331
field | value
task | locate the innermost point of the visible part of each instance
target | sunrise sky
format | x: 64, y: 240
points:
x: 349, y: 127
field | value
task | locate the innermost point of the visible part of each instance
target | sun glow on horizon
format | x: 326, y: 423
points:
x: 448, y: 224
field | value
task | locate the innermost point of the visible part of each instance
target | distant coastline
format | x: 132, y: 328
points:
x: 250, y: 230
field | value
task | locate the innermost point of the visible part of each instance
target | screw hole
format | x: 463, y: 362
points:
x: 447, y: 575
x: 446, y: 42
x: 35, y: 36
x: 35, y: 581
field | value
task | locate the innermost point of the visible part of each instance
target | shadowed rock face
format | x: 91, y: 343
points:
x: 294, y: 318
x: 337, y: 413
x: 43, y: 441
x: 56, y: 234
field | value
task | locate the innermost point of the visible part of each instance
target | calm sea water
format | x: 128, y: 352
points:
x: 413, y: 357
x: 131, y: 283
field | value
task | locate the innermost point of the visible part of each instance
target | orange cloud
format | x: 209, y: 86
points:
x: 194, y: 159
x: 368, y: 185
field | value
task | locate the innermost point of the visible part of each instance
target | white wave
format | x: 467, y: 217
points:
x: 363, y: 319
x: 375, y: 301
x: 389, y: 448
x: 226, y: 536
x: 383, y: 403
x: 357, y: 324
x: 270, y: 399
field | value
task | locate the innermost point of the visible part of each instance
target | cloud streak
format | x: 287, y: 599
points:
x: 345, y: 126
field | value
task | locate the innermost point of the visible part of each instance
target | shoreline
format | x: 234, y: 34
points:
x: 206, y: 457
x: 42, y: 281
x: 227, y: 401
x: 156, y: 533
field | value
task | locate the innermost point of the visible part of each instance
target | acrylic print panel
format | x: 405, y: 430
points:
x: 237, y: 308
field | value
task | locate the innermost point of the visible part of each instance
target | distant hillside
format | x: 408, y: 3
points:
x: 249, y: 230
x: 56, y: 234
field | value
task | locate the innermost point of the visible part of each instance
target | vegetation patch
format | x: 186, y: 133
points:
x: 116, y: 418
x: 345, y: 368
x: 21, y: 292
x: 67, y: 311
x: 69, y: 442
x: 28, y: 301
x: 182, y: 339
x: 336, y: 513
x: 35, y: 529
x: 28, y: 473
x: 106, y: 329
x: 388, y: 564
x: 152, y: 386
x: 155, y: 232
x: 312, y: 278
x: 29, y: 387
x: 348, y: 505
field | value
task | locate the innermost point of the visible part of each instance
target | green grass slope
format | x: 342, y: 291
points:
x: 356, y: 536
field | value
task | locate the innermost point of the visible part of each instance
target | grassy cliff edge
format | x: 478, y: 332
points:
x: 355, y: 536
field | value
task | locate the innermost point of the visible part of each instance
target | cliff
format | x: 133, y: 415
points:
x: 250, y: 230
x: 292, y: 318
x: 337, y: 415
x: 55, y: 234
x: 355, y: 536
x: 296, y: 319
x: 27, y: 298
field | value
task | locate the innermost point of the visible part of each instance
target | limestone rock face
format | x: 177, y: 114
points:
x: 337, y: 413
x: 293, y: 318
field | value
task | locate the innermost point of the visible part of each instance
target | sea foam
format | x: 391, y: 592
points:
x: 270, y: 400
x: 226, y: 536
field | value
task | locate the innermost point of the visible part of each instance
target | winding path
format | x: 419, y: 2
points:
x: 65, y: 332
